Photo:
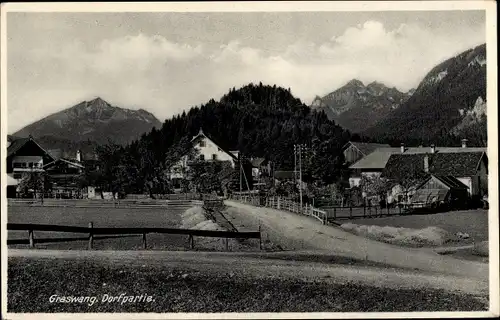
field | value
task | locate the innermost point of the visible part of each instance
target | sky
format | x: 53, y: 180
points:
x: 169, y: 62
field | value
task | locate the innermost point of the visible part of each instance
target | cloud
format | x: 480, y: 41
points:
x: 167, y: 77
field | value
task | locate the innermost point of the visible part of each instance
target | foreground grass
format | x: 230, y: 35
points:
x: 32, y: 282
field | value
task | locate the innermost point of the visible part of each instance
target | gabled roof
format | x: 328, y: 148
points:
x: 449, y: 181
x: 202, y: 135
x: 375, y: 160
x: 365, y: 147
x: 462, y: 164
x: 378, y: 158
x: 17, y: 144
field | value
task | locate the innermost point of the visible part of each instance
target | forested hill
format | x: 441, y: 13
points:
x: 259, y: 121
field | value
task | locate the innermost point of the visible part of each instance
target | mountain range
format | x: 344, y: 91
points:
x: 357, y: 107
x: 450, y: 100
x: 448, y: 104
x: 89, y: 123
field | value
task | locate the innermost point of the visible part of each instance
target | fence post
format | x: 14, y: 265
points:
x: 32, y: 238
x: 364, y: 211
x: 279, y: 198
x: 144, y: 243
x: 91, y: 236
x: 376, y: 213
x: 191, y: 241
x: 334, y: 213
x: 227, y: 244
x: 387, y: 207
x: 399, y: 209
x: 350, y: 212
x: 260, y: 238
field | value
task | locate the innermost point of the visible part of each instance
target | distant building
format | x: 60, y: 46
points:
x: 63, y: 176
x: 206, y: 150
x: 25, y: 155
x: 375, y: 162
x: 469, y: 168
x: 437, y: 190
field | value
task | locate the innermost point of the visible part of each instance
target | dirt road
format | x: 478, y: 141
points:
x: 269, y: 265
x: 292, y: 230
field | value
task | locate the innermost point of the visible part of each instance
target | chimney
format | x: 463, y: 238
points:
x: 464, y: 143
x: 78, y: 156
x: 402, y: 147
x: 426, y: 163
x: 433, y: 148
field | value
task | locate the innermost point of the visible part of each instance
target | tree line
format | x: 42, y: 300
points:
x: 257, y: 120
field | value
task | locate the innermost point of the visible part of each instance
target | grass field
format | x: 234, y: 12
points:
x: 181, y: 289
x: 101, y: 217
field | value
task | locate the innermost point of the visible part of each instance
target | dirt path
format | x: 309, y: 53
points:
x: 293, y: 231
x: 269, y: 265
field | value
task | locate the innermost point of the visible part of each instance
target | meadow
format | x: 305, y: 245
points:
x: 100, y: 217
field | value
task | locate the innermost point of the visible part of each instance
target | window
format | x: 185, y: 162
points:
x: 18, y: 175
x: 214, y: 157
x: 202, y: 143
x: 202, y: 157
x: 30, y: 165
x: 17, y: 165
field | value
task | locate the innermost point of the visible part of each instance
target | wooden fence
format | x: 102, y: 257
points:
x: 91, y: 231
x: 101, y: 203
x: 280, y: 203
x: 324, y: 214
x: 340, y: 213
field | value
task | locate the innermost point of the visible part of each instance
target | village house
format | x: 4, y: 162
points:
x: 470, y: 168
x: 24, y: 155
x: 206, y: 150
x: 63, y: 176
x: 375, y: 162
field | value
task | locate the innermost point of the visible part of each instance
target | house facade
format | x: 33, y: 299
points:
x: 25, y: 155
x: 63, y: 175
x: 206, y: 150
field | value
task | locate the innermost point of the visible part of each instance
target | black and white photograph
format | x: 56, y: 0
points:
x: 249, y: 160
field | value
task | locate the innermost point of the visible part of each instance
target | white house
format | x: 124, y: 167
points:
x: 206, y: 150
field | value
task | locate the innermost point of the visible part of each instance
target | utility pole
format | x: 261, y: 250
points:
x: 241, y: 174
x: 295, y: 163
x: 300, y: 174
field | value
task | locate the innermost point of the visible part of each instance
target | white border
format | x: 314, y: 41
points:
x: 489, y: 6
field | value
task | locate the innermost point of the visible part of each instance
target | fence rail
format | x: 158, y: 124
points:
x: 91, y: 231
x: 324, y: 214
x: 280, y: 203
x: 100, y: 203
x: 360, y: 212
